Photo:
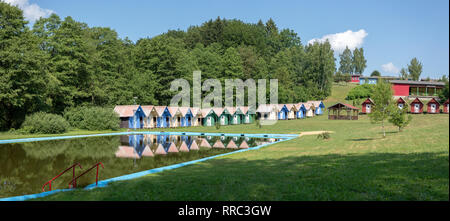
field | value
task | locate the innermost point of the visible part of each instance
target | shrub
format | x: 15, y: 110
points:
x: 92, y: 118
x: 44, y: 123
x: 360, y: 91
x: 324, y: 136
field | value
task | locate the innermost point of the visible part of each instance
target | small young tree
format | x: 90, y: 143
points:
x: 400, y: 118
x: 383, y: 104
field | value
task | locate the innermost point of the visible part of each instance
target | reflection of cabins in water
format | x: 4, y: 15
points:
x: 126, y: 152
x: 218, y: 144
x: 205, y: 143
x: 231, y: 144
x: 160, y: 150
x: 334, y: 112
x: 243, y: 145
x: 194, y: 145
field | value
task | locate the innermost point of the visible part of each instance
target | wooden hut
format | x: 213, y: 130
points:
x: 446, y: 107
x: 401, y: 103
x: 366, y: 106
x: 175, y: 120
x: 310, y: 109
x: 282, y: 112
x: 335, y: 112
x: 197, y: 116
x: 131, y: 116
x: 267, y: 112
x: 318, y: 106
x: 433, y: 106
x: 292, y: 111
x: 151, y: 116
x: 416, y: 106
x: 301, y: 110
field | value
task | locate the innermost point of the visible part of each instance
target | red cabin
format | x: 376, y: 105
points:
x: 446, y: 108
x: 433, y: 106
x: 367, y: 106
x: 355, y: 78
x: 401, y: 103
x: 416, y: 106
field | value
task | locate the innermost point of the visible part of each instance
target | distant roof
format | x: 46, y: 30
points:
x: 368, y: 99
x: 147, y: 109
x: 341, y: 105
x: 126, y: 110
x: 418, y: 82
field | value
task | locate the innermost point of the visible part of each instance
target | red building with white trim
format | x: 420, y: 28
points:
x: 355, y: 78
x: 401, y: 103
x: 425, y: 89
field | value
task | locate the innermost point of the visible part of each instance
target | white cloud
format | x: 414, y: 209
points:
x: 341, y: 40
x: 31, y: 12
x: 390, y: 68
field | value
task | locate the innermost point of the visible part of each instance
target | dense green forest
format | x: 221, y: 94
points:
x: 60, y: 63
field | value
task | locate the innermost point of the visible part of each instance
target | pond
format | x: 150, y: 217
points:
x: 26, y: 167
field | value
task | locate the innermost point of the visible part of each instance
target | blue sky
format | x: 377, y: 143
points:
x: 391, y: 32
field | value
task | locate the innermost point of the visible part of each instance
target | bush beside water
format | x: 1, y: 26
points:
x: 44, y: 123
x: 92, y: 118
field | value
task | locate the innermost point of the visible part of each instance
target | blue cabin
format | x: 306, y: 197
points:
x: 320, y: 107
x: 164, y: 116
x: 131, y: 116
x: 186, y: 119
x: 301, y: 113
x: 283, y: 113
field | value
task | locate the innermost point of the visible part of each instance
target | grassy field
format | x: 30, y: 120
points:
x: 354, y: 164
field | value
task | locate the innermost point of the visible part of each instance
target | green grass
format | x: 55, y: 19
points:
x: 354, y: 164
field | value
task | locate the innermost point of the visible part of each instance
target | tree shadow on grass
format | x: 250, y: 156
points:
x: 372, y: 176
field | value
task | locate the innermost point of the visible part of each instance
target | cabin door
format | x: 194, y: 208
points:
x: 433, y: 108
x: 400, y: 106
x: 235, y: 119
x: 368, y: 108
x: 208, y: 121
x: 416, y: 108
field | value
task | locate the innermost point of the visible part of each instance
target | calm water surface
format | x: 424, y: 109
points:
x: 25, y: 167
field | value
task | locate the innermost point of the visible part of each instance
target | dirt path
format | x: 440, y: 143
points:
x: 313, y: 132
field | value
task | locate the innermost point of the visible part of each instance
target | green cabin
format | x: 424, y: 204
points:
x: 224, y: 116
x: 210, y: 118
x: 238, y: 116
x: 250, y: 115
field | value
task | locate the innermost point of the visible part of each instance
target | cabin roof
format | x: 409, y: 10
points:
x: 316, y: 103
x: 433, y: 101
x: 417, y: 100
x: 368, y: 100
x: 264, y: 108
x: 147, y: 109
x: 126, y: 110
x: 446, y: 102
x: 184, y: 110
x: 342, y: 105
x: 160, y: 110
x: 401, y: 100
x: 427, y: 83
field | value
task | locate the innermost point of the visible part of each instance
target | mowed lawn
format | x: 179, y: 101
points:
x: 356, y: 163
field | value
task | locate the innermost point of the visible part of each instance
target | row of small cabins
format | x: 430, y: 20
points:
x: 148, y: 116
x: 416, y: 106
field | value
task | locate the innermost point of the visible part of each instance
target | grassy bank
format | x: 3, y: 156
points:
x: 355, y: 164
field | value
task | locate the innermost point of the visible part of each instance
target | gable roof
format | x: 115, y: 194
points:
x: 126, y: 110
x: 417, y: 100
x: 184, y: 110
x: 147, y: 109
x: 446, y: 102
x: 401, y: 100
x: 264, y: 108
x: 316, y: 103
x: 160, y: 110
x: 433, y: 101
x: 342, y: 105
x: 368, y: 100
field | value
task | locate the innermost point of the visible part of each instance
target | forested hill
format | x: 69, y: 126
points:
x: 61, y: 63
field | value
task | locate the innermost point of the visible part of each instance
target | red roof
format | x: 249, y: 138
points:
x: 433, y: 101
x: 400, y: 100
x: 417, y: 100
x: 368, y: 100
x: 339, y: 105
x: 446, y: 102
